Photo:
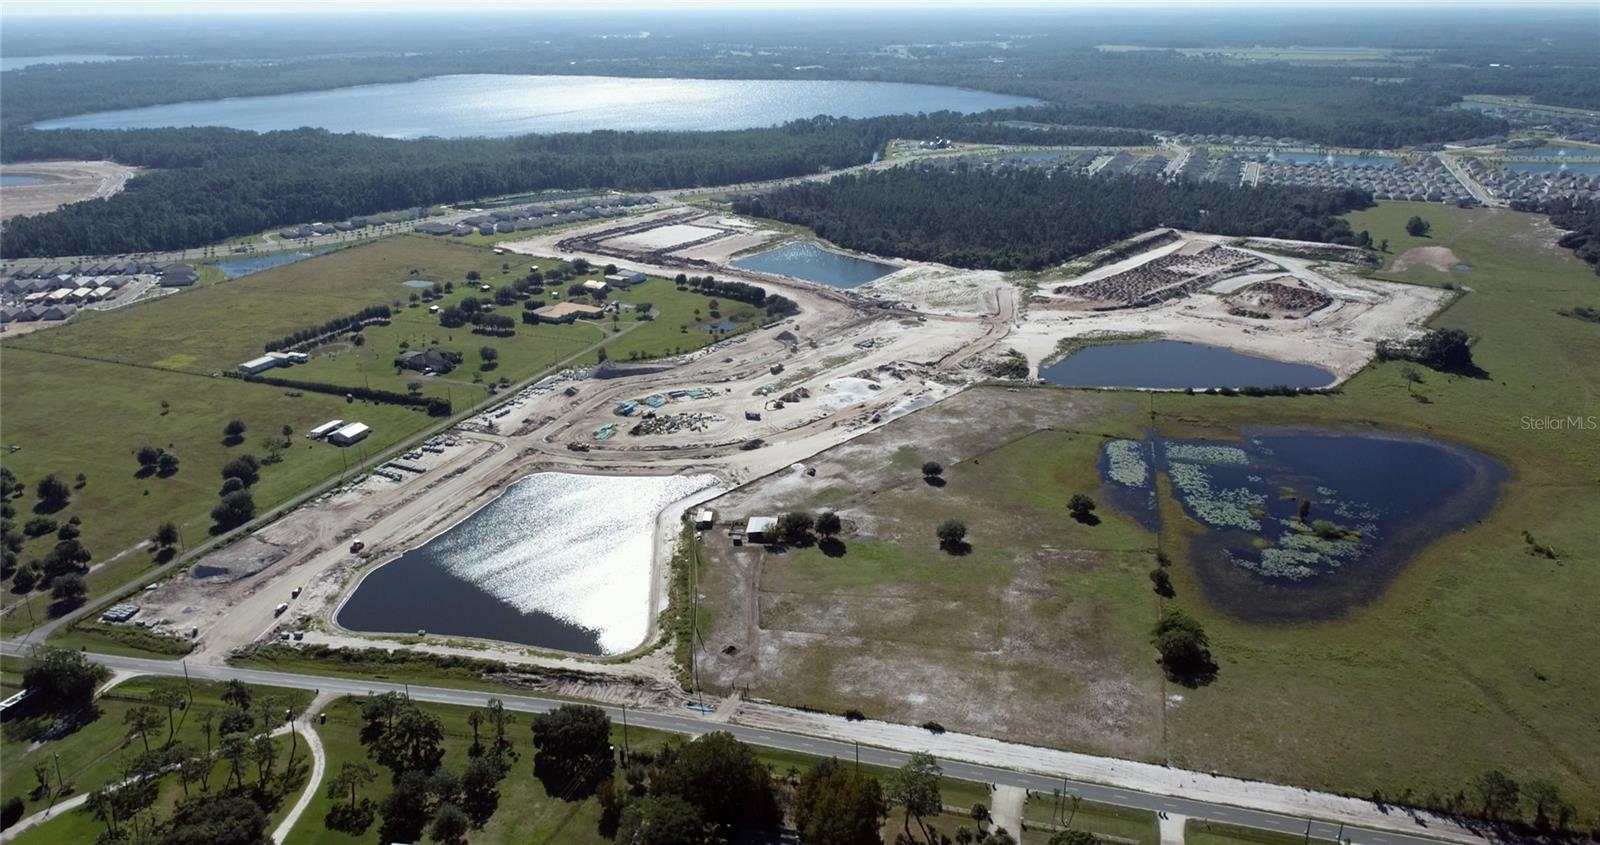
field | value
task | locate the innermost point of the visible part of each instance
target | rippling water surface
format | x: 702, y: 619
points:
x: 558, y: 561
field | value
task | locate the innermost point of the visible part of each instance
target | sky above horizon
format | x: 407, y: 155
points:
x: 148, y: 8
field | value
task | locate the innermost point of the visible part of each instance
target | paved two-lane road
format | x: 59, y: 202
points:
x: 694, y: 724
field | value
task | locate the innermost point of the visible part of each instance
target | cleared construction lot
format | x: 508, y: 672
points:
x: 60, y: 183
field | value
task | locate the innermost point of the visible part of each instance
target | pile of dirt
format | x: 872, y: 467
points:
x: 1438, y: 257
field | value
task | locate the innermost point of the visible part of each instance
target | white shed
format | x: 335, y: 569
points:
x: 349, y: 434
x: 325, y: 429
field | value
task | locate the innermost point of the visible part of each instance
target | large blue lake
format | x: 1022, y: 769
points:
x: 497, y: 105
x: 806, y: 260
x: 1174, y: 365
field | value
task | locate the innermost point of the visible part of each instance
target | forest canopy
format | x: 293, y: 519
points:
x: 210, y: 184
x: 1029, y: 219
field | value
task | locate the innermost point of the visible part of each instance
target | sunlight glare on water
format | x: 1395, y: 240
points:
x: 577, y: 547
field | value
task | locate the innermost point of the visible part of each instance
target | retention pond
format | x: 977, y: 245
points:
x: 1175, y: 365
x: 807, y: 260
x: 1304, y: 524
x: 558, y: 561
x: 233, y: 268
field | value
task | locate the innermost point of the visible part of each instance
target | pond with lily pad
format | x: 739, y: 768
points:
x: 1303, y: 524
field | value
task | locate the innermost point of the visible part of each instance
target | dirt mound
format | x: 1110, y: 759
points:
x: 1437, y: 257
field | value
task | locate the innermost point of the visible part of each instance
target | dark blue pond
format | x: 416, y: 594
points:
x: 1552, y: 166
x: 233, y: 268
x: 20, y: 180
x: 1175, y: 365
x: 806, y: 260
x: 1372, y: 502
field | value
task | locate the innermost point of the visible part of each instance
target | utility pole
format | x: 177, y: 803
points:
x: 186, y: 685
x: 858, y: 755
x: 1308, y: 831
x: 624, y: 734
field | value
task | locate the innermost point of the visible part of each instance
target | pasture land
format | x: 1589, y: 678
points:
x: 68, y: 415
x: 1479, y: 637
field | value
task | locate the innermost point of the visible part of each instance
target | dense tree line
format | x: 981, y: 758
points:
x: 775, y: 305
x: 338, y: 324
x: 1582, y: 222
x: 212, y: 183
x: 1031, y: 219
x: 436, y: 407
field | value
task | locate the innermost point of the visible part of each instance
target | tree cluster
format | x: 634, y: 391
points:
x: 1032, y: 219
x: 1581, y: 220
x: 775, y: 305
x: 1446, y: 350
x: 427, y: 795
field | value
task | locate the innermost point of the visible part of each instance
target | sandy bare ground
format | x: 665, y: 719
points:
x: 1437, y: 257
x: 1341, y: 338
x: 834, y: 336
x: 64, y: 182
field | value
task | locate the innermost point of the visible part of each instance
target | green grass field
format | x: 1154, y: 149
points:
x: 67, y: 415
x: 1197, y: 832
x: 1105, y: 819
x: 91, y: 756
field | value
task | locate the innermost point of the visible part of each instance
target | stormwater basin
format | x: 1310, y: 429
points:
x: 558, y: 561
x: 1376, y: 500
x: 233, y: 268
x: 1175, y: 365
x: 807, y: 260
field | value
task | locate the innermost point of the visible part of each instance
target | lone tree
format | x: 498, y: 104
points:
x: 915, y: 786
x: 829, y: 524
x: 797, y: 527
x: 932, y: 469
x: 53, y: 492
x: 236, y: 508
x: 1416, y: 227
x: 62, y: 680
x: 573, y: 745
x: 233, y: 432
x: 952, y: 535
x: 167, y: 465
x: 661, y: 820
x: 1082, y: 508
x: 836, y: 805
x: 722, y: 776
x: 1185, y: 649
x: 1162, y: 582
x: 1498, y: 792
x: 246, y: 468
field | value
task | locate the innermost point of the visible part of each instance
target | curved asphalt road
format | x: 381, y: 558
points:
x: 694, y: 725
